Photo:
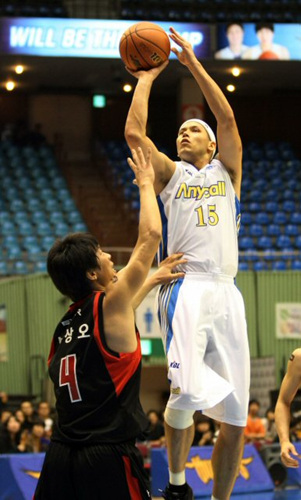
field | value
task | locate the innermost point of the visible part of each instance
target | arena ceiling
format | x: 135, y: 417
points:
x: 107, y: 75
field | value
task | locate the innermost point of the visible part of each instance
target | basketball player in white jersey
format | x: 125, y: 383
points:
x: 202, y: 316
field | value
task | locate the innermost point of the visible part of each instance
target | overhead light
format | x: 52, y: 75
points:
x: 10, y: 85
x: 99, y: 101
x: 127, y: 87
x: 230, y: 88
x: 19, y: 69
x: 235, y: 71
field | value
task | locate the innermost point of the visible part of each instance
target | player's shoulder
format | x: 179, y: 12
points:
x: 296, y: 355
x: 294, y: 364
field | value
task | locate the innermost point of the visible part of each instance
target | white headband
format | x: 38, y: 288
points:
x: 208, y: 129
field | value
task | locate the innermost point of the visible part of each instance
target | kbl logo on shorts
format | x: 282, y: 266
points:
x: 174, y: 364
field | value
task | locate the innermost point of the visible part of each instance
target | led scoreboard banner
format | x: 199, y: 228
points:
x: 84, y: 37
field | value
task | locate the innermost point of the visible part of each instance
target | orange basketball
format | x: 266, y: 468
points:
x: 268, y: 55
x: 144, y: 45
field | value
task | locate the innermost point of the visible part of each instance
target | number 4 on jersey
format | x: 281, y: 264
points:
x: 68, y: 377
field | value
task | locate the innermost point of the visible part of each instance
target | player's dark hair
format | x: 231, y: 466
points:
x: 228, y: 25
x: 68, y: 261
x: 261, y: 25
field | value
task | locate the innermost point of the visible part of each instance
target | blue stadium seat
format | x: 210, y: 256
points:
x: 39, y: 216
x: 34, y: 252
x: 9, y: 239
x: 271, y: 206
x: 74, y: 216
x: 249, y: 254
x: 246, y: 218
x: 61, y: 229
x: 271, y: 195
x: 34, y: 204
x: 256, y: 195
x: 255, y: 230
x: 254, y: 206
x: 29, y: 241
x: 297, y: 242
x: 243, y: 266
x: 276, y: 183
x: 260, y: 265
x: 264, y: 242
x: 262, y: 218
x: 283, y: 241
x: 17, y: 205
x: 40, y: 266
x: 25, y: 228
x: 8, y: 228
x: 4, y: 269
x: 46, y: 242
x: 14, y: 252
x: 296, y: 265
x: 79, y: 227
x: 279, y: 265
x: 51, y: 204
x: 56, y: 217
x: 20, y: 267
x: 273, y: 230
x: 289, y: 206
x: 43, y: 229
x: 279, y: 217
x: 270, y: 254
x: 291, y: 230
x: 295, y: 218
x: 245, y: 243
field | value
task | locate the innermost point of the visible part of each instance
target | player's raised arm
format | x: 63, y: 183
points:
x: 288, y: 389
x: 229, y: 143
x: 136, y: 122
x: 120, y: 293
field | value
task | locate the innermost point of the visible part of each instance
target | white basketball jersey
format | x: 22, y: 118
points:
x: 200, y: 217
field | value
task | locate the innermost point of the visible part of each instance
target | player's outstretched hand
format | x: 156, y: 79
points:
x: 186, y: 55
x: 142, y: 167
x: 287, y: 450
x: 149, y: 73
x: 167, y: 269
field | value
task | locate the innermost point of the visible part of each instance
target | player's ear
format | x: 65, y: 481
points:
x: 91, y: 275
x: 212, y: 146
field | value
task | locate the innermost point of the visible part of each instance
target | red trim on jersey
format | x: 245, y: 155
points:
x: 51, y: 353
x: 132, y: 481
x: 121, y: 368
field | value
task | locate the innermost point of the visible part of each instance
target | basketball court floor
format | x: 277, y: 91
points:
x: 284, y: 494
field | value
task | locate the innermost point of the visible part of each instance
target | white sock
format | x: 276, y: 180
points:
x: 177, y: 478
x: 214, y: 498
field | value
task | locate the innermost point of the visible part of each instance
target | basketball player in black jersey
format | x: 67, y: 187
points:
x: 95, y: 361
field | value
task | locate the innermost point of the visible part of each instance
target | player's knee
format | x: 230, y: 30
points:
x: 179, y: 419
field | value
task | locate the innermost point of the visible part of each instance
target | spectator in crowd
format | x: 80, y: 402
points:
x: 289, y: 387
x: 236, y: 48
x: 20, y: 416
x: 29, y: 414
x: 3, y: 401
x: 204, y: 431
x: 5, y: 414
x: 155, y: 432
x: 270, y: 426
x: 34, y: 440
x: 255, y: 430
x: 10, y: 436
x: 266, y: 49
x: 44, y: 411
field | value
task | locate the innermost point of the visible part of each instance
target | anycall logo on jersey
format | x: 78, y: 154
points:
x: 198, y: 192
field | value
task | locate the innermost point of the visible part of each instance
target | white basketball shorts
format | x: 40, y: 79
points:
x: 203, y: 325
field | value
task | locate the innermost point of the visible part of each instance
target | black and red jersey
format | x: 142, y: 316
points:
x: 96, y: 389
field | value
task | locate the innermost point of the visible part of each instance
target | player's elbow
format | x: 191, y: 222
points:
x: 133, y: 135
x: 154, y: 235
